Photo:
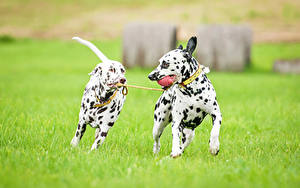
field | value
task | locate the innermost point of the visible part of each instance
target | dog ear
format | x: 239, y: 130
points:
x: 180, y: 47
x: 97, y: 69
x: 191, y: 46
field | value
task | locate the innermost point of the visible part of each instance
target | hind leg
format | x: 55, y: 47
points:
x: 100, y: 136
x: 79, y: 133
x: 214, y: 134
x: 187, y: 137
x: 97, y: 132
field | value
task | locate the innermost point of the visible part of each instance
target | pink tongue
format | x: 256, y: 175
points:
x: 166, y: 81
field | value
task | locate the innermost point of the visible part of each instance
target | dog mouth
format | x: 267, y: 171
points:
x: 167, y: 81
x: 115, y: 84
x: 112, y: 85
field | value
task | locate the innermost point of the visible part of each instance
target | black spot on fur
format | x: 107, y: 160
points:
x: 91, y: 119
x: 182, y: 70
x: 213, y: 117
x: 104, y: 134
x: 185, y: 115
x: 111, y: 124
x: 165, y: 101
x: 112, y: 110
x: 101, y: 110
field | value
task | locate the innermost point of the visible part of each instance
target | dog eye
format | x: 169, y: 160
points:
x: 164, y: 65
x: 112, y: 70
x: 122, y: 70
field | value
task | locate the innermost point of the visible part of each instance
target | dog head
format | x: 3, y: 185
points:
x: 109, y: 74
x: 175, y: 65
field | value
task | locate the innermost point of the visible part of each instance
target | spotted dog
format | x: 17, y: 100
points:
x: 102, y: 101
x: 188, y: 97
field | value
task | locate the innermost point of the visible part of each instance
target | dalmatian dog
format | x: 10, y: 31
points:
x: 188, y: 97
x: 102, y: 101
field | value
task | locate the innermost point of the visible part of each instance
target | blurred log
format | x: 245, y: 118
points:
x: 287, y: 66
x: 224, y: 47
x: 145, y: 43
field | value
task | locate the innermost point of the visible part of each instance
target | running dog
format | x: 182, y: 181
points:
x: 102, y: 100
x: 188, y: 97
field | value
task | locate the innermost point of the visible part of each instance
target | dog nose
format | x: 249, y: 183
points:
x: 152, y: 77
x: 122, y: 80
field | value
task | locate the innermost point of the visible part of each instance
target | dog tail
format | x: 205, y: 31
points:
x: 101, y: 56
x: 204, y: 69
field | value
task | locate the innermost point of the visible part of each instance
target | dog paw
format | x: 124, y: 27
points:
x: 94, y: 147
x: 75, y: 141
x: 175, y: 154
x: 214, y: 146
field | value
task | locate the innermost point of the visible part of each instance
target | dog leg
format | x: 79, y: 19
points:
x: 100, y: 137
x: 157, y: 132
x: 176, y: 145
x: 97, y: 132
x: 162, y: 117
x: 214, y: 134
x: 187, y: 137
x: 79, y: 133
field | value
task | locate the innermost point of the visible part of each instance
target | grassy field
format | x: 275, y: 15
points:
x: 40, y: 92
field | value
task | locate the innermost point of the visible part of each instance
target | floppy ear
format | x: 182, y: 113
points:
x: 97, y: 69
x: 191, y: 46
x: 180, y: 47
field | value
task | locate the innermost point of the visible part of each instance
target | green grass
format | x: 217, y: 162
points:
x: 40, y: 92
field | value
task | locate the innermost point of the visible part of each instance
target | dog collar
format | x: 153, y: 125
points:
x: 124, y: 92
x: 192, y: 78
x: 107, y: 102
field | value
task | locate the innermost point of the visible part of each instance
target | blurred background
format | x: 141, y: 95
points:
x: 226, y: 29
x: 271, y: 21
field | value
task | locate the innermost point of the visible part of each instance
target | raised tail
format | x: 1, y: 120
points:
x: 101, y: 56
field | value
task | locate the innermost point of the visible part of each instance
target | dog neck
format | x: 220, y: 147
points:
x: 190, y: 68
x: 98, y: 88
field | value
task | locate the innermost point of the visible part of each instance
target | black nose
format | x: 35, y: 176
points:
x: 153, y: 76
x: 122, y: 80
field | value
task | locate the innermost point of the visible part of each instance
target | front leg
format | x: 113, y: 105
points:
x: 176, y: 144
x: 162, y: 117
